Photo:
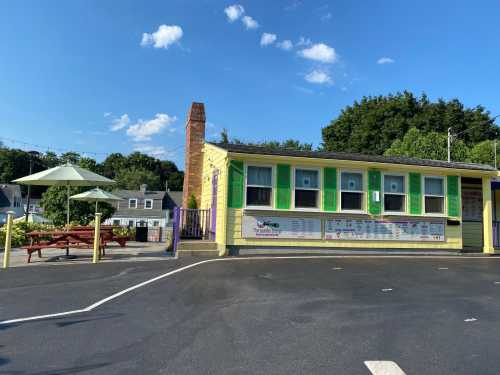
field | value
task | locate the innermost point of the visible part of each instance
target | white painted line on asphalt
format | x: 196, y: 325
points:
x: 268, y: 258
x: 496, y: 282
x: 384, y: 368
x: 107, y: 299
x: 337, y: 268
x: 468, y: 320
x: 442, y: 268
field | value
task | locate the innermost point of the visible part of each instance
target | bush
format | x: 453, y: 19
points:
x: 20, y: 232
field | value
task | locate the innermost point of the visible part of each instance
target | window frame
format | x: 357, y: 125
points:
x: 404, y: 194
x: 272, y: 187
x: 424, y: 195
x: 319, y: 198
x: 148, y: 200
x: 363, y: 190
x: 132, y: 199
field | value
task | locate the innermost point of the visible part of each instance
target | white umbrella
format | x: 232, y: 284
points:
x: 96, y: 195
x: 65, y: 175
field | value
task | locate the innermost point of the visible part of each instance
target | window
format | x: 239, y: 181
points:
x: 148, y: 203
x: 394, y: 193
x: 351, y: 191
x: 156, y: 223
x: 259, y: 186
x: 131, y: 223
x: 434, y: 195
x: 306, y: 188
x: 132, y: 203
x: 116, y: 222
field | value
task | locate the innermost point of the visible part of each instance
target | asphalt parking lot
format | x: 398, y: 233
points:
x: 256, y: 316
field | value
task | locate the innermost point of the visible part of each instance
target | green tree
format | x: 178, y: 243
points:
x: 54, y: 202
x: 70, y: 157
x: 483, y: 153
x: 433, y: 145
x: 132, y: 179
x: 224, y: 137
x: 289, y: 144
x: 373, y: 124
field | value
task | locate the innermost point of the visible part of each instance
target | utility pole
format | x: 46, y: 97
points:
x: 449, y: 145
x: 495, y: 152
x: 32, y: 154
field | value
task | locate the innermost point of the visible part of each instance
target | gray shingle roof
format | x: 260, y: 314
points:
x: 138, y: 213
x: 245, y: 149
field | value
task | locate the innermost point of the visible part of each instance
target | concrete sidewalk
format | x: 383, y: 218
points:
x: 134, y: 251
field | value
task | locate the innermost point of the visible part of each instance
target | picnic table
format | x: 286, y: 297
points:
x: 75, y: 238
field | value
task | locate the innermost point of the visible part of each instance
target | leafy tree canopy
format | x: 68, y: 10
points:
x: 373, y: 124
x: 433, y: 145
x: 132, y: 179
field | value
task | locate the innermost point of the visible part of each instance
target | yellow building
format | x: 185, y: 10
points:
x: 262, y: 199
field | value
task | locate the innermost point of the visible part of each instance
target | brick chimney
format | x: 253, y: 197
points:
x: 195, y: 138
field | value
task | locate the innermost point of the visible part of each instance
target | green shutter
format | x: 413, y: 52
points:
x: 235, y: 184
x: 453, y: 196
x: 330, y: 189
x: 283, y: 191
x: 415, y: 193
x: 374, y: 184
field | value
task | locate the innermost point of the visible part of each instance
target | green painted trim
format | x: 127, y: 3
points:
x: 235, y: 184
x: 283, y: 186
x: 453, y: 196
x: 374, y: 184
x: 330, y: 189
x: 415, y: 193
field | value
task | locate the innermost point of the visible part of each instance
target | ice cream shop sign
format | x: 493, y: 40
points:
x: 281, y: 227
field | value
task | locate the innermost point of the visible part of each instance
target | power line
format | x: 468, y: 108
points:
x: 63, y: 150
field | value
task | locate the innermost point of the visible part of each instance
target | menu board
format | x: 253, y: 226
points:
x: 472, y: 204
x: 384, y: 230
x: 280, y: 227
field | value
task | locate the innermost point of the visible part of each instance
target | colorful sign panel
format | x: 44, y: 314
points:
x: 280, y: 227
x: 384, y: 230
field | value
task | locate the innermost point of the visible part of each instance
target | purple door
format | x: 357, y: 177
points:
x: 215, y: 182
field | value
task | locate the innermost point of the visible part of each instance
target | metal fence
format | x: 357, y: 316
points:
x: 192, y: 224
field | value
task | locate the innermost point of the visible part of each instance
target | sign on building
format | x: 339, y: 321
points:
x: 280, y: 227
x: 360, y: 229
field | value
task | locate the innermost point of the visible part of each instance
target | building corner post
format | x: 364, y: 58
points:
x: 487, y: 217
x: 8, y: 239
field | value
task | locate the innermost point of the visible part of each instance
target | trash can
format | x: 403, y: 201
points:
x: 141, y: 231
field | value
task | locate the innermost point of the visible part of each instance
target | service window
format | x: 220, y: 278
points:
x: 351, y: 191
x: 148, y: 203
x: 306, y: 188
x: 132, y: 203
x: 394, y: 193
x: 434, y: 195
x: 259, y: 186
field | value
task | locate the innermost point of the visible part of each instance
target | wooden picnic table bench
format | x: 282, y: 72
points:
x: 61, y: 240
x: 107, y: 233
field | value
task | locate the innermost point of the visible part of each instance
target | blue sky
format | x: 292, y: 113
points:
x: 72, y: 71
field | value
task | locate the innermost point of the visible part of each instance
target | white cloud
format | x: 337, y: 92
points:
x: 304, y: 41
x: 155, y: 151
x: 163, y: 37
x: 233, y: 12
x: 319, y: 77
x: 319, y: 52
x: 120, y: 123
x: 326, y: 16
x: 286, y: 45
x: 107, y: 114
x: 143, y: 130
x: 250, y: 23
x: 385, y: 60
x: 267, y: 39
